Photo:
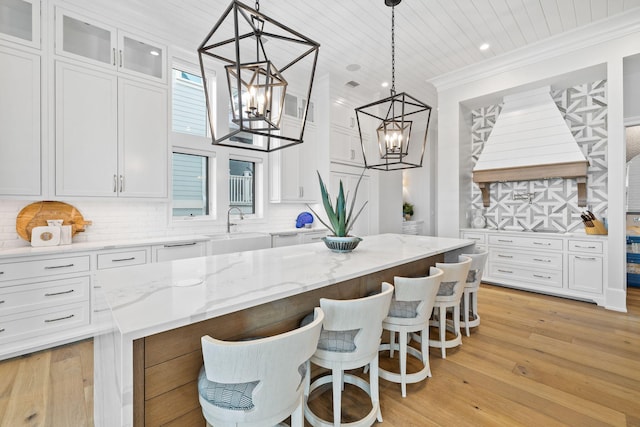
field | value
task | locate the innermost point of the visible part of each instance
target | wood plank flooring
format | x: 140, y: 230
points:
x: 535, y: 360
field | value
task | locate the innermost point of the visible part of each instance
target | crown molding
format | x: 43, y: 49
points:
x: 561, y: 44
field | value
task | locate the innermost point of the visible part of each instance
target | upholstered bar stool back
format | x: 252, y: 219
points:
x: 410, y: 310
x: 258, y: 382
x: 350, y: 338
x: 470, y: 316
x: 449, y: 296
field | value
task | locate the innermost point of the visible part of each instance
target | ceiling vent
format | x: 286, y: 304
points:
x: 530, y: 141
x: 352, y: 84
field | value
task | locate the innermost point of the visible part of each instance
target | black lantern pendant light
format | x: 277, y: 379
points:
x: 260, y: 53
x: 403, y: 123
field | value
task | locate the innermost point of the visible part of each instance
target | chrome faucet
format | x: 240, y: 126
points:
x: 229, y: 224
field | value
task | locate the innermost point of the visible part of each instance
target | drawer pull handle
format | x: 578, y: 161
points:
x: 51, y: 267
x: 504, y: 256
x: 585, y: 247
x: 59, y: 318
x: 123, y: 259
x: 473, y: 238
x: 505, y: 271
x: 542, y: 260
x: 542, y: 243
x: 100, y: 310
x: 539, y: 276
x: 177, y: 245
x: 505, y: 241
x: 586, y: 258
x: 58, y: 293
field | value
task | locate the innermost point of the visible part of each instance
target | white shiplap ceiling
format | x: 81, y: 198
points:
x: 433, y: 37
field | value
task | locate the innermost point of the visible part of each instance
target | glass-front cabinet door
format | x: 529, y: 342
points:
x: 20, y: 21
x: 100, y: 44
x: 79, y: 38
x: 142, y: 56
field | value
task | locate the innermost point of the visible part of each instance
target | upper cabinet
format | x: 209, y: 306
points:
x: 19, y: 123
x: 345, y: 144
x: 100, y: 44
x: 293, y: 169
x: 111, y: 135
x: 20, y: 22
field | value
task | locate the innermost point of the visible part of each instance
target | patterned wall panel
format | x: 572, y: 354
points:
x: 554, y: 204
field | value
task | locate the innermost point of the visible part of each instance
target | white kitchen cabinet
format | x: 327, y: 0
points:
x: 313, y: 236
x: 20, y: 22
x: 362, y: 225
x: 174, y: 251
x: 290, y: 238
x: 345, y: 145
x: 100, y: 44
x: 122, y: 258
x: 555, y: 264
x: 586, y: 266
x: 285, y: 239
x: 111, y: 135
x: 293, y: 169
x: 19, y: 124
x: 44, y: 300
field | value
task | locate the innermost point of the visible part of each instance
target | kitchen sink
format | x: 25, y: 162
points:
x: 224, y: 243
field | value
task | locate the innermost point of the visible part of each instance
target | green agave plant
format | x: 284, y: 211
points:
x: 340, y: 218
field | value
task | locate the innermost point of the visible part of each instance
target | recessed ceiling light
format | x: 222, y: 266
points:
x: 484, y: 46
x: 353, y: 67
x: 154, y: 53
x: 385, y: 84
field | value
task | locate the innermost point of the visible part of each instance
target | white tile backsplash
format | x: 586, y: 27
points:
x: 124, y: 219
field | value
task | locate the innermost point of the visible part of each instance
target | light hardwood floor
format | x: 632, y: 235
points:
x: 535, y: 361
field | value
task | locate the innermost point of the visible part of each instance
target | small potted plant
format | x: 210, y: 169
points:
x: 407, y: 210
x: 340, y: 218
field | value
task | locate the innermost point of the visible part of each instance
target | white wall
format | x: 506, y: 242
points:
x: 559, y: 59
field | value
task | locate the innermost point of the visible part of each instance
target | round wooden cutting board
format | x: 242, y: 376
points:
x: 36, y: 214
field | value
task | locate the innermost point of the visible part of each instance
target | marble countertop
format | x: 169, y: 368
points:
x: 152, y: 298
x: 579, y: 234
x: 100, y: 245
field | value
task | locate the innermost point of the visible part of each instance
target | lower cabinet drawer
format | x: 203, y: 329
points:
x: 33, y: 296
x: 122, y: 259
x: 43, y: 267
x: 540, y: 260
x: 549, y: 278
x: 43, y: 322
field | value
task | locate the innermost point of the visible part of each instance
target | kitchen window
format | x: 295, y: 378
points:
x: 188, y: 109
x: 193, y: 158
x: 242, y: 185
x: 190, y: 185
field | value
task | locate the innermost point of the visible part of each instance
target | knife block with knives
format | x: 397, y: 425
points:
x: 592, y: 225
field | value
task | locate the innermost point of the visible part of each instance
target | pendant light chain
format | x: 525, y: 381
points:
x: 257, y: 5
x: 393, y: 50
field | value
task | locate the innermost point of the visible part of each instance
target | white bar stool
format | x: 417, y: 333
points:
x: 449, y: 296
x: 411, y: 307
x: 470, y: 316
x: 257, y: 382
x: 350, y: 338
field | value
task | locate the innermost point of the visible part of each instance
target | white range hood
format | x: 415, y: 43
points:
x: 530, y: 141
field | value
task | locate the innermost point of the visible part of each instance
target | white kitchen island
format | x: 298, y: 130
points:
x: 147, y: 354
